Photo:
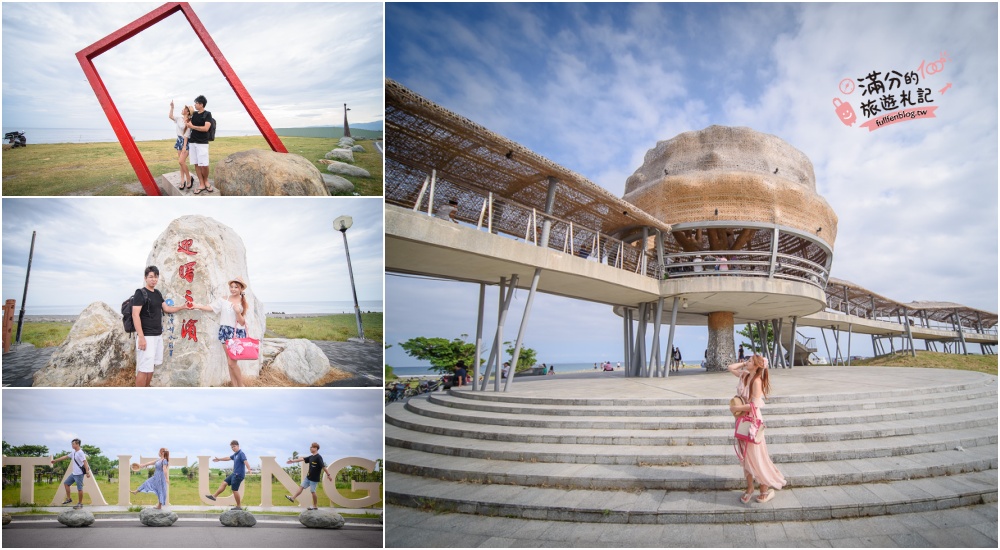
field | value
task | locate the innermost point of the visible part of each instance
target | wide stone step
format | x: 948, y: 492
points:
x: 721, y: 420
x: 702, y: 454
x: 665, y: 506
x: 466, y: 400
x: 693, y: 477
x: 401, y: 417
x: 861, y: 395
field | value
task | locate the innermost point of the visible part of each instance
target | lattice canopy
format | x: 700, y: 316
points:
x: 865, y: 303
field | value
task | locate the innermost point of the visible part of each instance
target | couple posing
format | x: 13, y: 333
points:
x: 192, y: 138
x: 147, y: 315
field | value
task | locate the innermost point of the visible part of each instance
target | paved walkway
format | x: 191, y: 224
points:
x: 20, y: 364
x: 974, y: 526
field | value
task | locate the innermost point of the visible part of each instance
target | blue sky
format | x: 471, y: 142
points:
x: 300, y: 63
x: 594, y: 86
x: 275, y: 422
x: 95, y: 249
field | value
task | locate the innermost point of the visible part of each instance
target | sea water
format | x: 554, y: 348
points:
x: 105, y: 135
x: 301, y: 308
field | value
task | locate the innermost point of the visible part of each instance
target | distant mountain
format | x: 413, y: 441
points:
x: 377, y: 125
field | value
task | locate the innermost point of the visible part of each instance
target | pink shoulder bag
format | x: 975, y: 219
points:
x: 749, y: 427
x: 243, y: 349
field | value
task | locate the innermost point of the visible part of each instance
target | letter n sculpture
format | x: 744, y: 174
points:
x: 86, y: 57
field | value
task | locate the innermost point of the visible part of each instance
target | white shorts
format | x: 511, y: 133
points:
x: 152, y: 356
x: 199, y: 154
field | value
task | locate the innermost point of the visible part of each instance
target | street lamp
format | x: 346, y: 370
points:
x: 342, y: 224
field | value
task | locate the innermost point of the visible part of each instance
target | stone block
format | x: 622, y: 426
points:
x: 346, y: 155
x: 347, y: 170
x: 321, y: 519
x: 6, y: 518
x: 337, y: 185
x: 237, y: 518
x: 76, y: 518
x: 152, y: 517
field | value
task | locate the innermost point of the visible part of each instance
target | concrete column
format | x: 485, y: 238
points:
x: 524, y: 324
x: 550, y: 200
x: 656, y: 339
x: 670, y: 337
x: 479, y: 336
x: 795, y: 324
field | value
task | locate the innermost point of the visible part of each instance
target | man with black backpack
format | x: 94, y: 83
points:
x: 79, y: 468
x: 202, y: 127
x: 147, y: 316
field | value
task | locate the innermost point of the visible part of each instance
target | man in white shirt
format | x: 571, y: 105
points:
x: 78, y: 460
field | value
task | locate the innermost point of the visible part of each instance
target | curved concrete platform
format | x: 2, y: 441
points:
x: 852, y: 442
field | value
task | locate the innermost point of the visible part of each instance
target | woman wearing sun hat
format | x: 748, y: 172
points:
x: 157, y: 484
x: 232, y: 323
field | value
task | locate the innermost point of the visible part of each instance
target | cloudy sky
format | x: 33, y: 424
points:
x: 593, y: 87
x: 95, y: 249
x: 276, y: 422
x: 300, y: 63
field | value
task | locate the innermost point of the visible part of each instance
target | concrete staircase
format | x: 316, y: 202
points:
x: 671, y: 460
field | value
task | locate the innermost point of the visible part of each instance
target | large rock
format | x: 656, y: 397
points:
x: 76, y: 518
x: 358, y: 149
x: 345, y: 142
x: 321, y: 519
x: 341, y: 154
x: 257, y: 172
x: 299, y: 359
x: 157, y: 518
x: 96, y: 349
x: 347, y: 170
x: 6, y: 518
x: 220, y: 257
x: 237, y: 518
x: 338, y: 185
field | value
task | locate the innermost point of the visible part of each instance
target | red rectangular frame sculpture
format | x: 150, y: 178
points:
x: 86, y: 57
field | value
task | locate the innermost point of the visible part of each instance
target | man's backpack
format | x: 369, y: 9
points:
x: 211, y: 129
x: 127, y: 311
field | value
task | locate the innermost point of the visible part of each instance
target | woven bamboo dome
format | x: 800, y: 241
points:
x: 471, y: 161
x: 845, y: 295
x: 731, y: 174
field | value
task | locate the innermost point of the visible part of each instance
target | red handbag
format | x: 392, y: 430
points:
x: 749, y: 427
x: 243, y: 349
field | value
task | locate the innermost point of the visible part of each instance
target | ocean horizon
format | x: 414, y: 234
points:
x: 403, y: 372
x: 300, y: 308
x: 105, y: 135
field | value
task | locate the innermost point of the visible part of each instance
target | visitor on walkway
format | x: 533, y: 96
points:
x: 506, y: 369
x: 460, y: 373
x: 181, y: 145
x: 157, y: 484
x: 240, y: 467
x: 753, y: 387
x: 448, y: 211
x: 199, y: 125
x: 148, y: 308
x: 742, y: 357
x: 697, y: 264
x: 676, y: 359
x: 232, y: 322
x: 80, y: 468
x: 313, y: 477
x: 552, y: 368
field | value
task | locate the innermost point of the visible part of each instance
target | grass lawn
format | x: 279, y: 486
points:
x: 935, y: 360
x: 336, y: 328
x: 103, y: 169
x: 182, y: 492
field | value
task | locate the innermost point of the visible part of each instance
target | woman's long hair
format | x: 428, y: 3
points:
x: 190, y: 112
x: 765, y: 381
x: 166, y: 454
x: 243, y: 302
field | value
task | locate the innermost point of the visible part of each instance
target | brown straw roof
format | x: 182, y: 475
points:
x: 861, y: 298
x: 421, y: 136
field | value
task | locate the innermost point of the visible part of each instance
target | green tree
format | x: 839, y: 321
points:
x: 388, y: 369
x: 442, y: 354
x: 750, y: 333
x: 525, y: 360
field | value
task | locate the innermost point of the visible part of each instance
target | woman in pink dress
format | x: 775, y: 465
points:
x: 753, y: 387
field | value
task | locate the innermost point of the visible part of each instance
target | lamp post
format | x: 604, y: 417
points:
x: 342, y: 224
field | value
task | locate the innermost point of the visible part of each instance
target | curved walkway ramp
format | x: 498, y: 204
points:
x: 854, y: 442
x: 467, y: 204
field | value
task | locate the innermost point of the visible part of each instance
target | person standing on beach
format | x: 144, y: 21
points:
x: 199, y: 124
x: 240, y: 467
x: 80, y: 468
x: 147, y: 316
x: 232, y: 323
x: 182, y: 146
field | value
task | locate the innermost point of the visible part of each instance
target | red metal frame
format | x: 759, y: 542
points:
x: 87, y: 55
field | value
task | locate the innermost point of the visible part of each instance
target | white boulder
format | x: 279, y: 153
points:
x: 299, y: 359
x: 341, y: 154
x: 343, y: 168
x: 96, y: 349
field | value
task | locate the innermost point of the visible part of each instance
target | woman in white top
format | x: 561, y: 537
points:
x: 232, y: 323
x: 181, y: 145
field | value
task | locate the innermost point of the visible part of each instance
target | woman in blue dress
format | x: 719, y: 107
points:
x: 158, y: 483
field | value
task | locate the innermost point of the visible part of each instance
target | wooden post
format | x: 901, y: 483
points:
x: 8, y: 323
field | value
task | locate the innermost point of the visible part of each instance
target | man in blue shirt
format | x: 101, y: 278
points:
x: 240, y: 467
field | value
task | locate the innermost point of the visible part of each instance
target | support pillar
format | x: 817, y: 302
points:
x: 670, y: 337
x: 850, y: 329
x: 791, y: 353
x: 829, y: 358
x: 721, y: 344
x: 656, y: 339
x: 524, y: 324
x: 479, y: 337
